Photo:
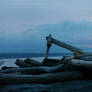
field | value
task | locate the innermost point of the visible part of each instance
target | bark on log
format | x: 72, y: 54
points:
x: 80, y: 63
x: 21, y: 63
x: 62, y: 44
x: 33, y: 62
x: 37, y: 70
x: 51, y: 62
x: 42, y: 78
x: 5, y: 67
x: 86, y: 58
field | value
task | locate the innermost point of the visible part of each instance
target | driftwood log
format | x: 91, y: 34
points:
x: 42, y: 78
x: 50, y: 62
x: 33, y: 62
x: 80, y: 63
x: 37, y: 70
x: 21, y: 63
x: 76, y: 62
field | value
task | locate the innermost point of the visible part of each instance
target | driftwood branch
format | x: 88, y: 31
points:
x: 51, y: 62
x: 33, y: 62
x: 42, y: 78
x: 21, y: 63
x: 27, y: 63
x: 37, y: 70
x: 80, y: 63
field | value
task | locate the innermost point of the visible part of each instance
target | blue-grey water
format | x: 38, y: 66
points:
x: 28, y: 55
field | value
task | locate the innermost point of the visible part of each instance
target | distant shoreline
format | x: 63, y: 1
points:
x: 28, y: 55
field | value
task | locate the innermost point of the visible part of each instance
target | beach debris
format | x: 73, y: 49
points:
x: 68, y: 68
x: 21, y: 63
x: 41, y: 78
x: 51, y: 62
x: 28, y: 63
x: 36, y: 70
x: 33, y: 62
x: 78, y: 53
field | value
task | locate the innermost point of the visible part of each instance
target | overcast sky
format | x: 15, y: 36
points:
x: 25, y: 23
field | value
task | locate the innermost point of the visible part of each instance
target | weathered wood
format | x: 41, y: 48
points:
x: 62, y: 44
x: 48, y: 45
x: 32, y: 62
x: 21, y: 63
x: 42, y: 78
x: 5, y: 67
x: 51, y: 62
x: 86, y: 57
x: 37, y: 70
x: 76, y: 62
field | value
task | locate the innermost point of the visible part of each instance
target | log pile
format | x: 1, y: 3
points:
x: 32, y: 71
x: 69, y: 68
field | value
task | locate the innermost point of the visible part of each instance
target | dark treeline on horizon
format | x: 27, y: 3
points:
x: 29, y: 55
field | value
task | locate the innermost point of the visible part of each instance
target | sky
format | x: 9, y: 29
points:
x: 24, y: 24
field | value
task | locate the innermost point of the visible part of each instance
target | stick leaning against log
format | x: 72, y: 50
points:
x: 77, y: 52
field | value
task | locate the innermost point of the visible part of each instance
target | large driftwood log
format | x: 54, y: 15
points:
x: 21, y: 63
x: 86, y: 57
x: 33, y: 62
x: 76, y: 62
x: 37, y: 70
x: 51, y: 62
x: 42, y: 78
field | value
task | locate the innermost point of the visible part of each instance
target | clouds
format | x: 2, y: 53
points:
x: 75, y: 33
x: 25, y: 23
x: 35, y: 12
x: 33, y: 40
x: 15, y: 13
x: 70, y: 29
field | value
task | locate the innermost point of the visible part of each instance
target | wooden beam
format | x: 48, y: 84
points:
x: 42, y: 78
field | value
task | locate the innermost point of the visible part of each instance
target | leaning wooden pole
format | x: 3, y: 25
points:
x: 62, y: 44
x: 78, y: 52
